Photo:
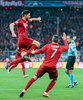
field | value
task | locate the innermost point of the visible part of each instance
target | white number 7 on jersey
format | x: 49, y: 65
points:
x: 55, y: 50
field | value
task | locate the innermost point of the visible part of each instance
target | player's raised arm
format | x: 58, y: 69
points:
x: 66, y: 47
x: 36, y: 19
x: 42, y: 50
x: 11, y: 26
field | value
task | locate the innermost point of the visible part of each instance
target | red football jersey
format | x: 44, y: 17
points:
x: 52, y: 53
x: 22, y: 26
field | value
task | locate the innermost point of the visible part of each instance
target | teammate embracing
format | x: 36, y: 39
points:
x: 52, y: 52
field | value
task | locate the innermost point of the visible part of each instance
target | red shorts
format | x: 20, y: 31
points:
x: 24, y: 42
x: 53, y: 73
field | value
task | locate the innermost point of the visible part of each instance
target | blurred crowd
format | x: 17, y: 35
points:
x: 69, y: 19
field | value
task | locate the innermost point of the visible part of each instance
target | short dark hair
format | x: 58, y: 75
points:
x: 71, y: 36
x: 55, y: 38
x: 25, y: 12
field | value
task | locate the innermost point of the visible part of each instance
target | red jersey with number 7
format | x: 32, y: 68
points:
x: 52, y: 53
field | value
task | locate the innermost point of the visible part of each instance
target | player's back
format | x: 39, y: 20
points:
x: 52, y: 55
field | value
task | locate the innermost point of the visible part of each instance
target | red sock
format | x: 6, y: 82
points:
x: 13, y: 66
x: 29, y: 83
x: 32, y: 47
x: 16, y: 61
x: 23, y: 68
x: 52, y: 83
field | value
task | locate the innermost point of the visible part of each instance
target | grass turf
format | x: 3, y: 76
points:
x: 12, y: 84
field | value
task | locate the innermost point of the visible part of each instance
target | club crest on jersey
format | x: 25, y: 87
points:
x: 25, y: 25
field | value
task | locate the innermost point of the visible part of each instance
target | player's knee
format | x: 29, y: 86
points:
x: 36, y: 43
x: 71, y: 71
x: 23, y: 53
x: 35, y: 77
x: 66, y: 71
x: 54, y: 79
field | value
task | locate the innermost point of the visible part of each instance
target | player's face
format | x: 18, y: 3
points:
x: 68, y: 39
x: 27, y: 16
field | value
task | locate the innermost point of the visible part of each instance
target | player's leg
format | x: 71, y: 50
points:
x: 35, y: 44
x: 53, y: 76
x: 23, y: 70
x: 50, y: 86
x: 12, y: 67
x: 70, y: 74
x: 17, y: 55
x: 19, y: 60
x: 69, y: 71
x: 24, y: 54
x: 12, y: 64
x: 71, y: 77
x: 68, y: 67
x: 40, y: 72
x: 73, y: 81
x: 30, y: 82
x: 72, y: 68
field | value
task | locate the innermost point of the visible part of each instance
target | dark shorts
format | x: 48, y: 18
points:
x: 24, y: 42
x: 53, y: 74
x: 70, y: 62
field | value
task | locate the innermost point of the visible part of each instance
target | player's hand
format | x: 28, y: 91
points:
x: 32, y: 51
x: 64, y: 36
x: 14, y: 35
x: 39, y: 19
x: 77, y: 60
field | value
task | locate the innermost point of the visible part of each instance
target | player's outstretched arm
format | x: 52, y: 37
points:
x: 36, y: 51
x: 66, y: 47
x: 11, y: 26
x: 36, y: 19
x: 42, y: 50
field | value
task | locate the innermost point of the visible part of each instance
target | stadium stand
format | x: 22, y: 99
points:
x: 70, y: 21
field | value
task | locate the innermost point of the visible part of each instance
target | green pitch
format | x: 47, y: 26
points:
x: 12, y: 84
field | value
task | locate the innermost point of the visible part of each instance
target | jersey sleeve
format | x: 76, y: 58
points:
x: 66, y: 47
x: 29, y: 20
x: 42, y: 50
x: 18, y: 22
